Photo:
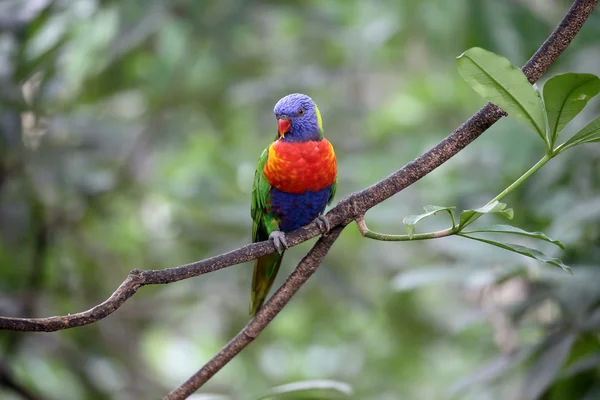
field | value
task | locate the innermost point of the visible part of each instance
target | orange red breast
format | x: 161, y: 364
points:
x: 301, y: 166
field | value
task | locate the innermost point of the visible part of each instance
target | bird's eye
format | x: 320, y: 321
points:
x: 301, y: 111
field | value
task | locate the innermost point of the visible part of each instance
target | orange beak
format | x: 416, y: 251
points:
x: 283, y: 126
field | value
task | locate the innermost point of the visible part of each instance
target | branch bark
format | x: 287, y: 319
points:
x: 347, y: 210
x: 306, y: 267
x: 354, y: 206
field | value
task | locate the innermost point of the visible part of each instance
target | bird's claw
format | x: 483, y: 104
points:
x: 323, y: 224
x: 279, y: 241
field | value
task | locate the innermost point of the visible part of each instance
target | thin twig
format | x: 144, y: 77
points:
x: 384, y: 237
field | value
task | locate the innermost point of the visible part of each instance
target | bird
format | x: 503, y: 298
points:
x: 295, y: 179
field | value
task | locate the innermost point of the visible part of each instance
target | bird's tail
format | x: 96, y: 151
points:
x: 265, y: 271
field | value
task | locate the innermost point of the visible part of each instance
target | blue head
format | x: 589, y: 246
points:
x: 298, y: 119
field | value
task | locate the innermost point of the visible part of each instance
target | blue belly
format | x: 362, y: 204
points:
x: 296, y: 210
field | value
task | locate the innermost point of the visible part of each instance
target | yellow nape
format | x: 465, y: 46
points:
x: 319, y: 120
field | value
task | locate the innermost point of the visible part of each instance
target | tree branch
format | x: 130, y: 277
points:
x: 138, y: 278
x: 354, y: 206
x: 488, y: 115
x: 347, y: 210
x: 306, y: 267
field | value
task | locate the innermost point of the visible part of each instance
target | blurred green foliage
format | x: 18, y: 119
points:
x: 129, y: 133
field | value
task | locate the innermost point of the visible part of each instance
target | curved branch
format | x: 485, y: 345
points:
x: 354, y: 206
x: 345, y: 211
x: 488, y: 115
x: 306, y: 267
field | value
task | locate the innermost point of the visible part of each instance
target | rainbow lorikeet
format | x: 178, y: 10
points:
x: 295, y: 179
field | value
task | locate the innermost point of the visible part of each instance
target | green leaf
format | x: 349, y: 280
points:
x: 333, y: 388
x: 590, y: 133
x: 565, y: 96
x: 411, y: 220
x: 523, y: 250
x: 495, y: 79
x: 467, y: 216
x: 517, y: 231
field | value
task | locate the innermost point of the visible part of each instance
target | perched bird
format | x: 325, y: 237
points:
x: 295, y: 179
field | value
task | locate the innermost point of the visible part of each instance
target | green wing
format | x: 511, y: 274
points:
x: 332, y: 191
x: 265, y: 267
x: 260, y: 192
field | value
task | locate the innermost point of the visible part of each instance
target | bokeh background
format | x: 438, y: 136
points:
x: 129, y: 135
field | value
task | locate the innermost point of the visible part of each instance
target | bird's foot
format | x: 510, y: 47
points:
x: 323, y: 224
x: 279, y: 241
